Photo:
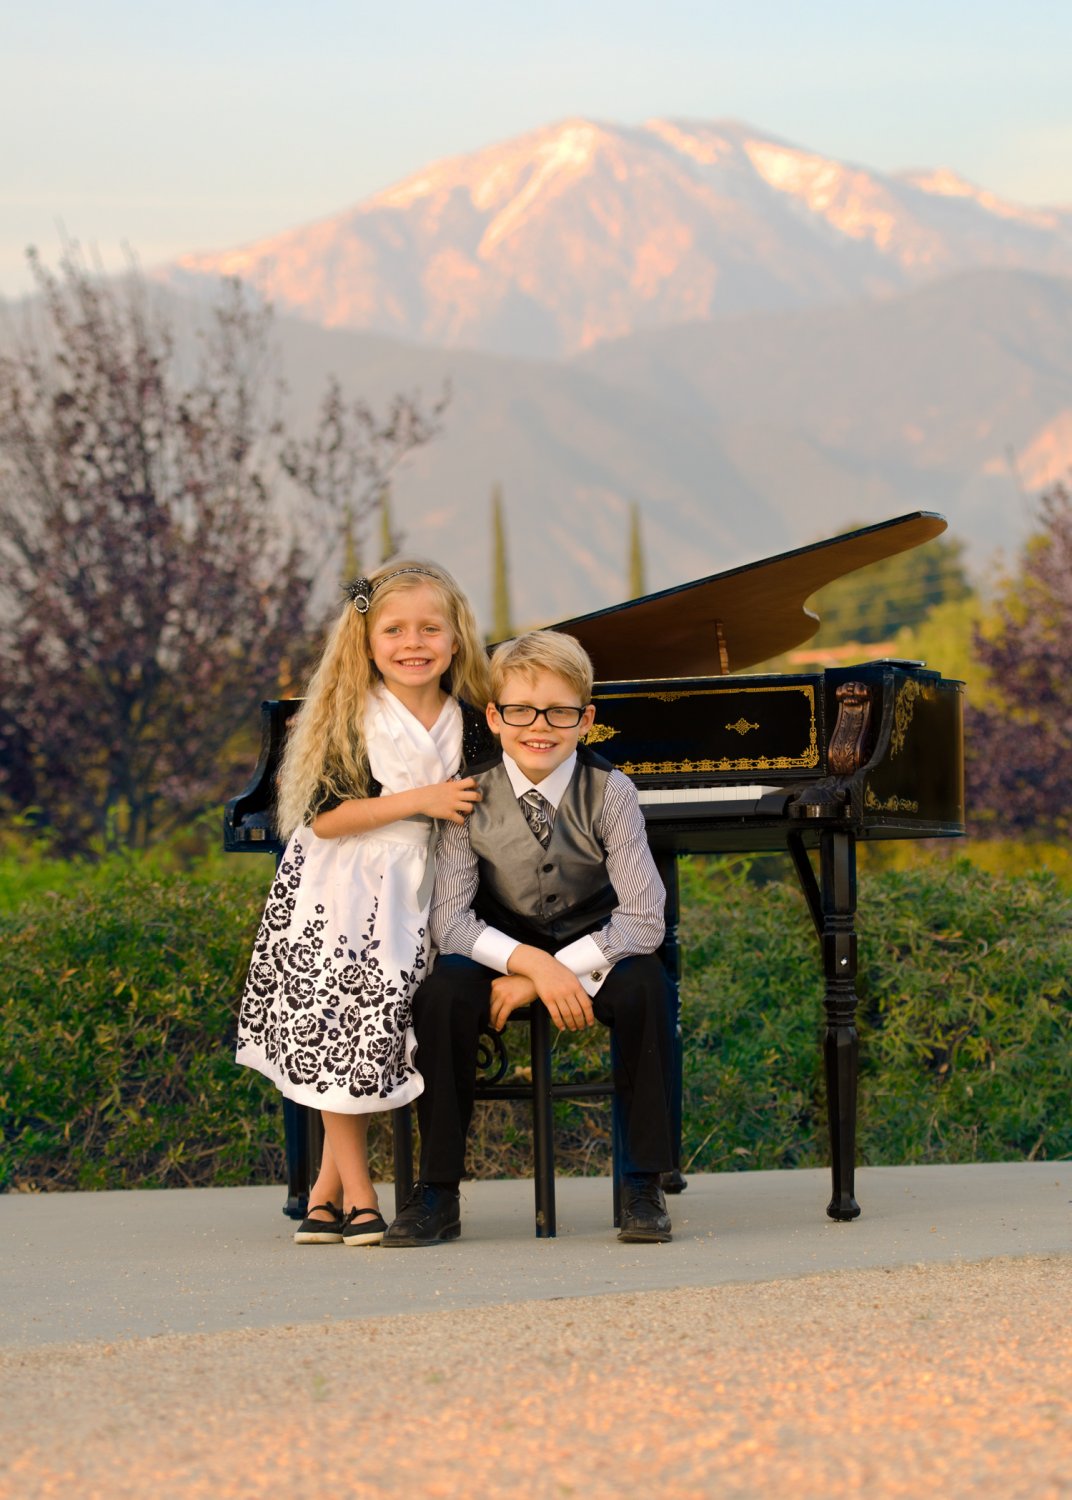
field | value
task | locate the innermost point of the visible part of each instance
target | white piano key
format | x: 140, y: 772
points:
x: 654, y: 796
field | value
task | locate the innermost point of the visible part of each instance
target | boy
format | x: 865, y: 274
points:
x: 546, y: 892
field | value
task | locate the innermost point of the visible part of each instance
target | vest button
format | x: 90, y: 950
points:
x: 552, y: 898
x: 547, y: 869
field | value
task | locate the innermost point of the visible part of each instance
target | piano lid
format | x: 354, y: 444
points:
x: 732, y: 620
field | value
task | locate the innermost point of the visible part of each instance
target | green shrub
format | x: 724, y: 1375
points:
x: 751, y: 1022
x: 965, y: 1019
x: 120, y: 982
x: 117, y: 1011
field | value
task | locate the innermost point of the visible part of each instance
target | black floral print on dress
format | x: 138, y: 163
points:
x: 320, y: 1012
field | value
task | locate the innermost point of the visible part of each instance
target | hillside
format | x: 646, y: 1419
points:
x: 736, y: 438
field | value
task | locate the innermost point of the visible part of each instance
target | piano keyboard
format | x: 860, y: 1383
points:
x: 653, y: 796
x: 739, y: 801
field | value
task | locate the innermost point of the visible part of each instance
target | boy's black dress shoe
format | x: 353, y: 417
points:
x: 429, y: 1216
x: 644, y: 1216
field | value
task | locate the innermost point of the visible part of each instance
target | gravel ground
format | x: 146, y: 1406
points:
x: 951, y: 1380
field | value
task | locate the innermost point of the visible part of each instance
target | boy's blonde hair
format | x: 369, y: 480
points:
x: 544, y: 651
x: 325, y: 756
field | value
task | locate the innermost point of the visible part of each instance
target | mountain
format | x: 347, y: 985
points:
x: 736, y: 439
x: 572, y: 453
x: 956, y: 397
x: 582, y: 232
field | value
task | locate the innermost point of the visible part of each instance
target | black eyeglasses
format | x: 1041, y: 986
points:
x: 558, y: 716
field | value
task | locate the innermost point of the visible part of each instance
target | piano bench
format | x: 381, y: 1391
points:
x: 540, y: 1091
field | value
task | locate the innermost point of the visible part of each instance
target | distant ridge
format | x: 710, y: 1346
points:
x: 580, y: 232
x: 736, y: 439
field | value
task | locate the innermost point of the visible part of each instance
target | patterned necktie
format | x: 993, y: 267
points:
x: 537, y: 814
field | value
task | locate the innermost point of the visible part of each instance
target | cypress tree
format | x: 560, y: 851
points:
x: 637, y: 584
x: 501, y: 627
x: 388, y: 539
x: 351, y: 560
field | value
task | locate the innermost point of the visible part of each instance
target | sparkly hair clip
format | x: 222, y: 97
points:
x: 359, y: 594
x: 361, y: 590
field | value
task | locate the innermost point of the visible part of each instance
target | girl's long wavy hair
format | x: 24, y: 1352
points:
x: 325, y: 754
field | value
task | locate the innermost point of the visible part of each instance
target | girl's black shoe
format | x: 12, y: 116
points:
x: 363, y: 1231
x: 320, y: 1231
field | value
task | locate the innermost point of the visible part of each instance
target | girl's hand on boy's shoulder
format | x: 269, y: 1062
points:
x: 451, y: 801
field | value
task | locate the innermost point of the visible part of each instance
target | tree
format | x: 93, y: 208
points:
x: 637, y: 585
x: 945, y: 639
x: 346, y: 465
x: 148, y: 587
x: 390, y: 539
x: 1020, y: 752
x: 876, y: 602
x: 501, y: 627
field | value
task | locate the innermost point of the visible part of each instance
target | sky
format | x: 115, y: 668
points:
x: 203, y: 126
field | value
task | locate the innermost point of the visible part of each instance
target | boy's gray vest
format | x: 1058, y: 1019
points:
x: 546, y: 897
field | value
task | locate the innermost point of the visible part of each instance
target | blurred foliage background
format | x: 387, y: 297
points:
x: 122, y: 980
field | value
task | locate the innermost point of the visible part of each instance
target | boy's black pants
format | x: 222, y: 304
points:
x: 451, y: 1008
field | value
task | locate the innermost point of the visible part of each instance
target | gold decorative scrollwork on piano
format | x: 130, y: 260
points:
x: 686, y: 767
x: 742, y: 726
x: 891, y: 804
x: 903, y: 709
x: 599, y: 733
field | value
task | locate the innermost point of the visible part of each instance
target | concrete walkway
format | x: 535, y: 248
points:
x: 110, y: 1266
x: 179, y: 1346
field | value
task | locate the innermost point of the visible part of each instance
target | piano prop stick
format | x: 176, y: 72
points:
x: 723, y: 762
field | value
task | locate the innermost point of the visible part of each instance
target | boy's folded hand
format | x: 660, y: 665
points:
x: 559, y: 989
x: 507, y: 993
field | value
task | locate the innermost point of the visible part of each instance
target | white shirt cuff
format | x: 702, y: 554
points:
x: 585, y: 959
x: 493, y: 949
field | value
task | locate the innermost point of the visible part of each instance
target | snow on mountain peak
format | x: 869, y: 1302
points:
x: 707, y: 149
x: 942, y: 182
x: 848, y: 198
x: 564, y: 154
x: 403, y: 193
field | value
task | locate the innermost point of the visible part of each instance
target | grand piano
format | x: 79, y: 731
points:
x: 809, y: 763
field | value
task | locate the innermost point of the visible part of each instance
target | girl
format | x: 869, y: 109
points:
x: 368, y: 767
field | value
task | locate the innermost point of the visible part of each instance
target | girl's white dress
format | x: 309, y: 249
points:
x: 343, y: 941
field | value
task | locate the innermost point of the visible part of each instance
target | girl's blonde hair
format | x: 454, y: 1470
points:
x: 325, y: 756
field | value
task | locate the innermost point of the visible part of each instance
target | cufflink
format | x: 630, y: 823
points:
x: 596, y: 974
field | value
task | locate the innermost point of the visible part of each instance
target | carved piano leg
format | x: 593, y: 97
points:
x: 543, y: 1132
x: 837, y: 868
x: 303, y: 1135
x: 673, y: 1181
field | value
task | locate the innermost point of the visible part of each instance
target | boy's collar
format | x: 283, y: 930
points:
x: 552, y: 788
